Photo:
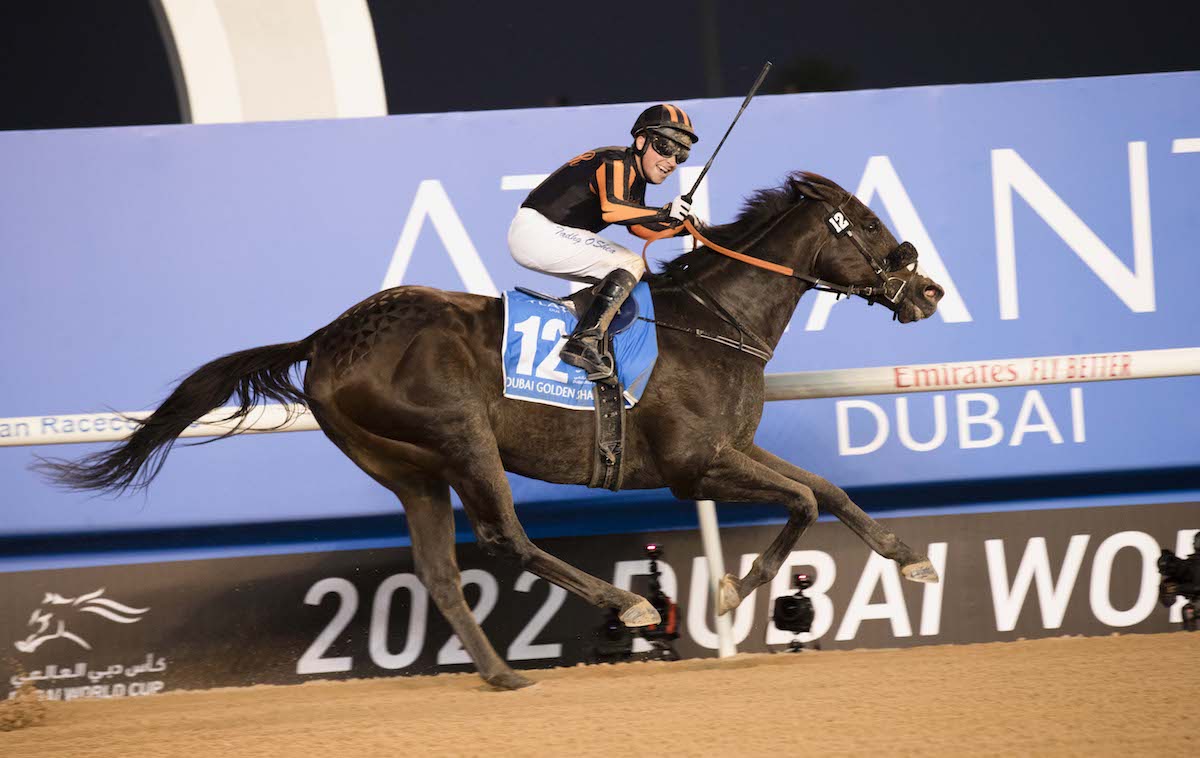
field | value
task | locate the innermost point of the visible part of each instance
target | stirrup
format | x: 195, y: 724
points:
x: 600, y: 368
x: 606, y: 374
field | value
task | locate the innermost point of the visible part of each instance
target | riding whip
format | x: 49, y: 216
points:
x: 762, y: 75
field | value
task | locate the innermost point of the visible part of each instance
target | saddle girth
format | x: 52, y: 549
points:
x: 608, y: 454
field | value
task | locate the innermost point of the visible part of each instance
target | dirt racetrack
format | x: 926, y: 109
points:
x: 1119, y: 695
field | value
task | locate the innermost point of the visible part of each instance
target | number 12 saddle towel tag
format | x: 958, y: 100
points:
x: 535, y: 330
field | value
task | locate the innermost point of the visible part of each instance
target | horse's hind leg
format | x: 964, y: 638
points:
x: 426, y: 501
x: 431, y: 526
x: 488, y: 502
x: 915, y: 566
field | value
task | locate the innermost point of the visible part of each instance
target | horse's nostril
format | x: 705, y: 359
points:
x: 934, y: 293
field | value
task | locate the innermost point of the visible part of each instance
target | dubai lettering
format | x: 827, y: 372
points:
x: 923, y: 424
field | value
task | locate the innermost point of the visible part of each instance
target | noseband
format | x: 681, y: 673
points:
x: 891, y: 287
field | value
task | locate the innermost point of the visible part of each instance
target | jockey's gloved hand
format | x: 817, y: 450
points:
x: 680, y: 209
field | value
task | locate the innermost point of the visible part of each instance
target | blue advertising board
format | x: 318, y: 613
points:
x: 1060, y: 216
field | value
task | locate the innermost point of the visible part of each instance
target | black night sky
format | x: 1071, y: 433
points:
x: 72, y: 63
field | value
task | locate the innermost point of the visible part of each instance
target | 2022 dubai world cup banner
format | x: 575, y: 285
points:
x: 1061, y: 217
x: 135, y: 630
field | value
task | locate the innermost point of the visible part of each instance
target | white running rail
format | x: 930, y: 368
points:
x: 883, y: 380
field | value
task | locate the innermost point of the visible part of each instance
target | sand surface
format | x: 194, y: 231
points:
x: 1119, y: 695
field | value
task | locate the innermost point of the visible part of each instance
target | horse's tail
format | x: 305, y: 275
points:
x: 256, y: 375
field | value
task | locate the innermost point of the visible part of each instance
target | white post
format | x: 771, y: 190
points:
x: 707, y: 510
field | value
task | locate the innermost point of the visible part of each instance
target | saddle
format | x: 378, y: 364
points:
x: 579, y: 302
x: 609, y: 394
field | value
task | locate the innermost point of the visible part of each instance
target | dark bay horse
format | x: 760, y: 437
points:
x: 408, y: 384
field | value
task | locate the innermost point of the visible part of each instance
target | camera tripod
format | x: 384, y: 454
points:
x: 796, y: 646
x: 663, y: 649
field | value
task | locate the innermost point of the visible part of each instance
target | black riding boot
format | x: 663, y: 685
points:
x: 583, y: 348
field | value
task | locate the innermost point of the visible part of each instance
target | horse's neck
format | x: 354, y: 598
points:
x: 762, y: 301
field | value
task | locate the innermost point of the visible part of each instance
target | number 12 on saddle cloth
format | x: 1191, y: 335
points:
x: 535, y: 330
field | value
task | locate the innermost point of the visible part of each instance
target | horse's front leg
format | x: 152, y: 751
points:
x: 735, y: 476
x: 915, y: 566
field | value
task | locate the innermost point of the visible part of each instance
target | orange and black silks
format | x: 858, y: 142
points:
x: 598, y: 188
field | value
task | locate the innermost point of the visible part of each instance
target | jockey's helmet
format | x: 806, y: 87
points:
x: 669, y: 120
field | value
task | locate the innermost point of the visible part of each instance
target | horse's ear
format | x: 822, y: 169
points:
x: 817, y: 187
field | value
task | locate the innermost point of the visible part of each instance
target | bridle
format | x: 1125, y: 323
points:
x: 888, y: 291
x: 890, y: 288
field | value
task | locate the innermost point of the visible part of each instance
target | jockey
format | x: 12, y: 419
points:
x: 555, y: 229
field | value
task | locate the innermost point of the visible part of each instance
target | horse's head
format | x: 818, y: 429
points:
x: 856, y: 250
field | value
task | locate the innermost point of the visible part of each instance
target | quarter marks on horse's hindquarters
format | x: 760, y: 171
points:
x: 357, y: 331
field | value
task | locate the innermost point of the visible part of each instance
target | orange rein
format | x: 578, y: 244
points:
x: 687, y: 224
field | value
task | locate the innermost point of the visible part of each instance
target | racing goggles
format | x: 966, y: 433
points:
x: 668, y: 148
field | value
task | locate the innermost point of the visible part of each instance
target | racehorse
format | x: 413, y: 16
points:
x: 408, y: 384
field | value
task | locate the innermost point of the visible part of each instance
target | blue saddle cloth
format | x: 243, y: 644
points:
x: 535, y: 330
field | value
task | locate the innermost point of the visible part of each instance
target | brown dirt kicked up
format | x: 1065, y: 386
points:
x: 1118, y: 695
x: 23, y: 710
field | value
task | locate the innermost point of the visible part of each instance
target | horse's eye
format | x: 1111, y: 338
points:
x: 873, y: 226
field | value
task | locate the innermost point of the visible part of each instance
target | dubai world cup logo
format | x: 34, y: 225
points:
x: 51, y: 619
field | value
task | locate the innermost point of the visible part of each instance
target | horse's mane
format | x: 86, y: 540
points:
x: 759, y: 209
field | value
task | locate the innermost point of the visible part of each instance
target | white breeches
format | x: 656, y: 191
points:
x: 538, y: 243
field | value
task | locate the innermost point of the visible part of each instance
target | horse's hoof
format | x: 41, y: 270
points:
x: 728, y: 598
x: 640, y: 614
x: 921, y: 571
x: 509, y: 680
